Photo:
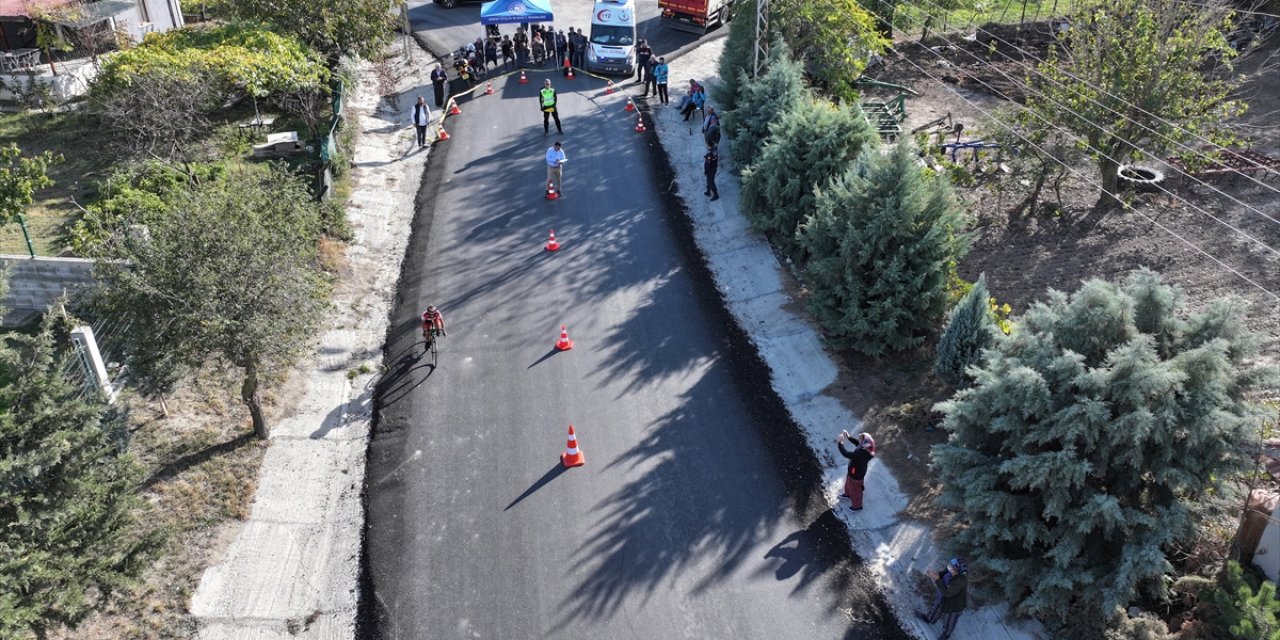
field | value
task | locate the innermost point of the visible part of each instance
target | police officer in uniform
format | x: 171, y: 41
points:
x: 547, y: 101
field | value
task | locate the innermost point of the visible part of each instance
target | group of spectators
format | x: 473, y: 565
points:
x: 536, y: 45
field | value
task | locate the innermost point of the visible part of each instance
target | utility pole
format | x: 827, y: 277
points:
x: 762, y: 37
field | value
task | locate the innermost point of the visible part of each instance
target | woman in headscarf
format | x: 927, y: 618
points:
x: 859, y: 460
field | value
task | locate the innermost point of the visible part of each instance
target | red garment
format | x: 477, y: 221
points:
x: 853, y: 489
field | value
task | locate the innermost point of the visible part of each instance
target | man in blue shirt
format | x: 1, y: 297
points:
x: 660, y: 73
x: 555, y: 162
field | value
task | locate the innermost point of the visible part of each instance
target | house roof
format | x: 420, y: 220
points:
x: 22, y: 8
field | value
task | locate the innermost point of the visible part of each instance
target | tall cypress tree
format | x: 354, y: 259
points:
x: 970, y: 329
x: 760, y: 103
x: 68, y: 493
x: 738, y: 57
x: 1073, y: 458
x: 883, y: 239
x: 811, y: 143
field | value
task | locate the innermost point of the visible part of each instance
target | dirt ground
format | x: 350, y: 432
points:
x: 1023, y: 255
x: 202, y: 463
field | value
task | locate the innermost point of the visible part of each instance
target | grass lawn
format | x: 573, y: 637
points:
x: 88, y: 159
x: 80, y: 141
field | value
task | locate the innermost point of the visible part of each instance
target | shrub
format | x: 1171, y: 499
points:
x: 970, y: 329
x: 883, y: 240
x: 760, y: 103
x: 1087, y: 434
x: 1245, y: 612
x: 811, y: 143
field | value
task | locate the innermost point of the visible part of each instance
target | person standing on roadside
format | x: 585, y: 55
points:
x: 521, y: 41
x: 508, y: 52
x: 711, y: 127
x: 555, y: 166
x: 643, y: 54
x: 421, y: 120
x: 571, y: 41
x: 438, y: 79
x: 951, y: 598
x: 650, y: 84
x: 547, y: 102
x: 490, y: 53
x: 581, y: 53
x: 562, y: 48
x: 711, y: 162
x: 660, y: 73
x: 859, y: 460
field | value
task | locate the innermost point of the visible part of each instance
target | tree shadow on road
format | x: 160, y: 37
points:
x: 700, y: 503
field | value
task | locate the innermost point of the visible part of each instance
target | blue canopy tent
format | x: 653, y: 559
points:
x: 513, y: 11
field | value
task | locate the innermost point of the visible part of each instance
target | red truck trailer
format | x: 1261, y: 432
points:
x: 695, y: 15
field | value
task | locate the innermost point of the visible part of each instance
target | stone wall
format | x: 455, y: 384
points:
x: 34, y: 283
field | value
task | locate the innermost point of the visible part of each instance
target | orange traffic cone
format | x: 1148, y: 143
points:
x: 488, y: 88
x: 631, y: 106
x: 453, y: 109
x: 553, y: 244
x: 640, y: 124
x: 609, y: 87
x: 441, y: 134
x: 572, y: 456
x: 564, y: 343
x: 569, y: 74
x: 523, y: 78
x: 551, y: 191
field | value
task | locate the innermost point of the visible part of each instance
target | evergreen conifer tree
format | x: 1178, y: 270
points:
x: 68, y: 536
x: 810, y: 143
x: 1246, y: 613
x: 738, y: 57
x: 761, y: 101
x: 970, y: 329
x: 1086, y: 434
x: 882, y: 241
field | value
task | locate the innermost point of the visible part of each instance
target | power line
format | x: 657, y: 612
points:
x: 1078, y: 174
x: 1121, y: 115
x: 1098, y: 151
x: 1073, y: 171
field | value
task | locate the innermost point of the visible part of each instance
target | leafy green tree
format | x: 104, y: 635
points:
x: 761, y: 102
x: 1135, y: 75
x: 810, y: 143
x: 229, y: 275
x: 239, y: 58
x: 158, y: 97
x: 333, y: 27
x: 69, y: 539
x: 1075, y: 457
x: 970, y: 329
x: 136, y: 195
x: 737, y: 59
x: 20, y: 178
x: 883, y: 241
x: 834, y: 39
x: 1243, y: 611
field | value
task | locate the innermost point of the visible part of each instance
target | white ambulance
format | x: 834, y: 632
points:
x: 612, y: 45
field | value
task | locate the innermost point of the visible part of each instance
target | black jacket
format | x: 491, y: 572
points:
x: 858, y: 460
x: 954, y: 593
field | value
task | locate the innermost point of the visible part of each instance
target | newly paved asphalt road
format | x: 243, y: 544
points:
x: 697, y: 514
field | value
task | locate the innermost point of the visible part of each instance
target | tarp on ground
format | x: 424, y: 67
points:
x: 509, y: 11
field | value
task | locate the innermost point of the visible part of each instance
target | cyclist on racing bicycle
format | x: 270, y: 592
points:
x: 432, y: 319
